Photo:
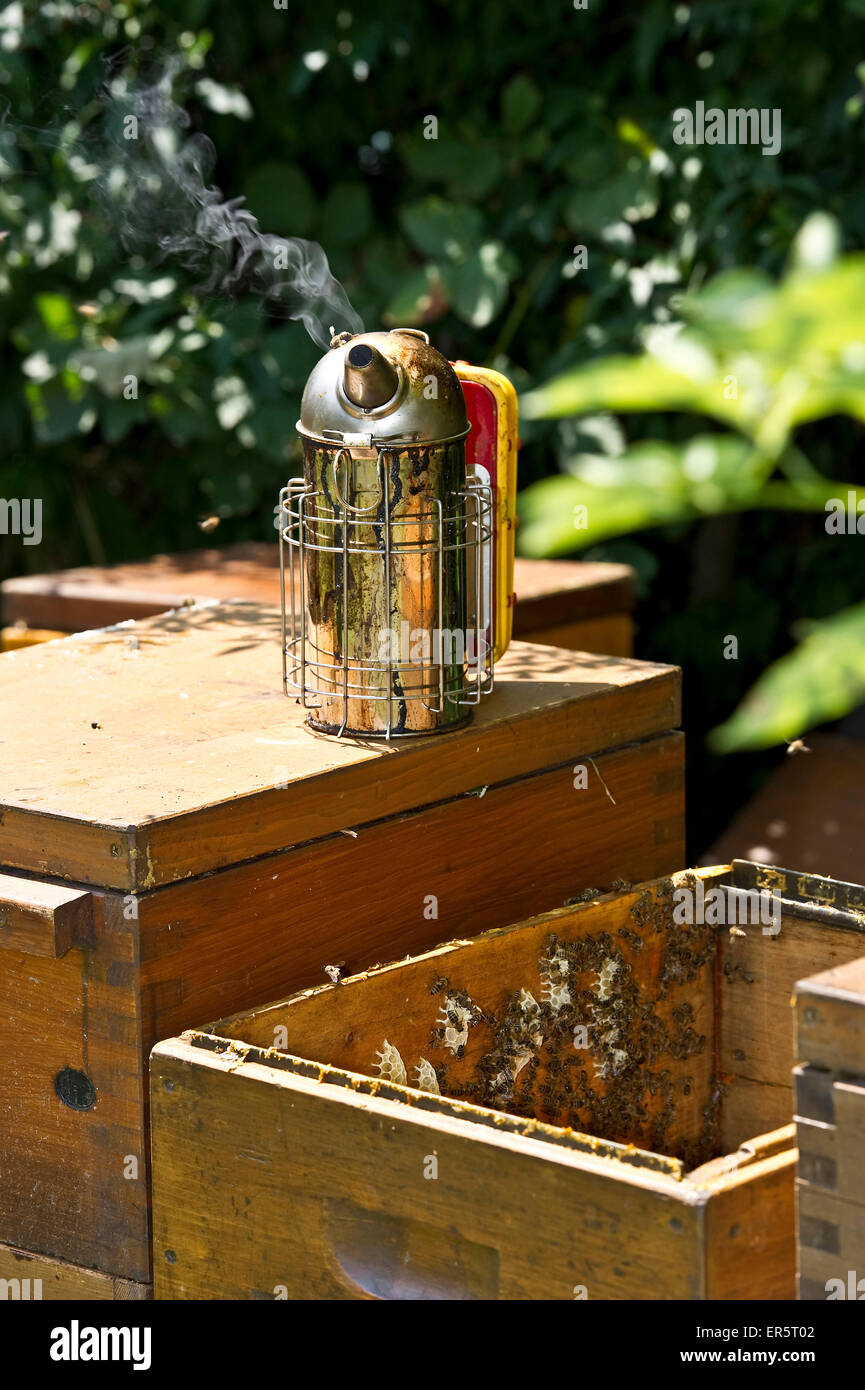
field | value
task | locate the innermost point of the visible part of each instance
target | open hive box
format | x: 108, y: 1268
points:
x: 584, y: 1091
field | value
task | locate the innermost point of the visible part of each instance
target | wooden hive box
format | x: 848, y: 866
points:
x: 175, y: 844
x: 579, y: 604
x: 649, y: 1156
x: 830, y: 1127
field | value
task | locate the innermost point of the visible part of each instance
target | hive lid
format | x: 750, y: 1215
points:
x: 162, y: 749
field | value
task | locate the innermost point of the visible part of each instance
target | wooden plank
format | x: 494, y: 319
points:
x: 42, y: 919
x: 375, y: 1227
x: 96, y: 596
x: 850, y: 1122
x: 345, y: 899
x: 12, y: 639
x: 751, y: 1228
x: 832, y: 1136
x: 549, y: 592
x: 32, y: 1278
x: 555, y: 592
x: 757, y: 977
x: 73, y: 1152
x: 831, y: 1237
x: 830, y: 1018
x: 662, y: 1033
x: 612, y: 633
x: 168, y: 750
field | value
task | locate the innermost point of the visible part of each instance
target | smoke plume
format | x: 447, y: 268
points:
x: 158, y: 193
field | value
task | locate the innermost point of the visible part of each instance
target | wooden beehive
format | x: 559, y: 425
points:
x: 830, y: 1127
x: 582, y: 605
x: 650, y: 1157
x: 176, y: 844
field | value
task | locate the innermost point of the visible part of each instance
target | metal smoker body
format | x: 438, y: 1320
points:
x: 391, y: 596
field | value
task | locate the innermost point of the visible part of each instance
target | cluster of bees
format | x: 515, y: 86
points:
x: 615, y: 1085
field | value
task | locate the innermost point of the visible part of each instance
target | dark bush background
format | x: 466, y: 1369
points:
x: 554, y: 129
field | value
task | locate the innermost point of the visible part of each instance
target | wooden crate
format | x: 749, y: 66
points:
x: 830, y: 1126
x: 652, y: 1157
x: 30, y: 1278
x: 176, y: 844
x: 581, y: 605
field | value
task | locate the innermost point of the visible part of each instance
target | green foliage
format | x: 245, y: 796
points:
x: 823, y: 679
x: 553, y: 127
x: 763, y: 360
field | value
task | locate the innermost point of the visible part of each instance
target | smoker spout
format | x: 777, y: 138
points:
x: 370, y: 379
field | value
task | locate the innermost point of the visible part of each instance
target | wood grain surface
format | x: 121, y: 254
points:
x: 145, y: 754
x: 758, y: 974
x: 830, y: 1018
x: 74, y: 1181
x: 506, y: 1216
x: 32, y: 1278
x: 644, y: 1072
x: 549, y: 592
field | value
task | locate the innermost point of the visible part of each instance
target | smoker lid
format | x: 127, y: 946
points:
x: 425, y: 405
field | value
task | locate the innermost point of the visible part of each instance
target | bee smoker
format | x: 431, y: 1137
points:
x: 397, y: 558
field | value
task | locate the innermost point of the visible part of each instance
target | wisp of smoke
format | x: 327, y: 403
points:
x: 158, y: 195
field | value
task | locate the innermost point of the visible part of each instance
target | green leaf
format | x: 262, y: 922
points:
x: 281, y: 197
x: 58, y: 315
x: 416, y: 300
x: 521, y: 102
x: 651, y: 484
x: 60, y: 408
x: 478, y: 287
x: 347, y: 214
x: 271, y: 430
x: 636, y: 383
x: 821, y: 679
x: 631, y: 196
x: 119, y: 416
x: 294, y: 352
x: 111, y: 368
x: 469, y: 167
x: 442, y: 230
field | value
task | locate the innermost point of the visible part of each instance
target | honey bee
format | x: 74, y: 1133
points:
x: 438, y: 985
